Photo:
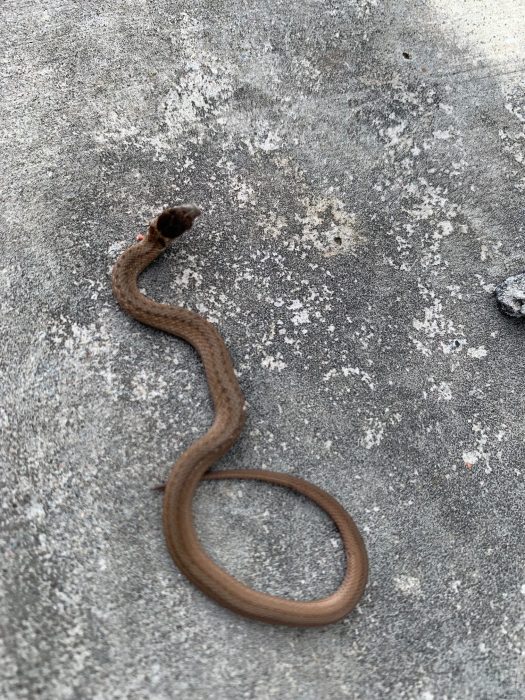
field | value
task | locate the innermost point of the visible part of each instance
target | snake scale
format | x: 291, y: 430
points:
x: 193, y: 465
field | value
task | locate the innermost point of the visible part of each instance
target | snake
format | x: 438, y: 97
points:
x: 193, y: 466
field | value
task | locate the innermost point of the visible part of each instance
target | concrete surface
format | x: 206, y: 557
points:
x: 361, y: 168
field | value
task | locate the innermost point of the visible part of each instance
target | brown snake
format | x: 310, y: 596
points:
x: 193, y: 465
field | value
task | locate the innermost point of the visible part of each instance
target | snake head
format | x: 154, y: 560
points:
x: 172, y: 222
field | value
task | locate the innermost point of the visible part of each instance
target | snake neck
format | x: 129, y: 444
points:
x: 126, y: 271
x: 226, y: 394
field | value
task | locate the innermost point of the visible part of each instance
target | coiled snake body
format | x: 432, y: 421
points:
x: 193, y: 465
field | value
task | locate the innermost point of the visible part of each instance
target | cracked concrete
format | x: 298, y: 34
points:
x: 360, y: 165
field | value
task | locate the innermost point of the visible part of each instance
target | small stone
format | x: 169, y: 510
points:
x: 510, y: 296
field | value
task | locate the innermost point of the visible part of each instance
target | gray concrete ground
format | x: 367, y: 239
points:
x: 361, y: 168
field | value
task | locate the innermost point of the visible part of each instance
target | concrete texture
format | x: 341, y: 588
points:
x: 361, y: 169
